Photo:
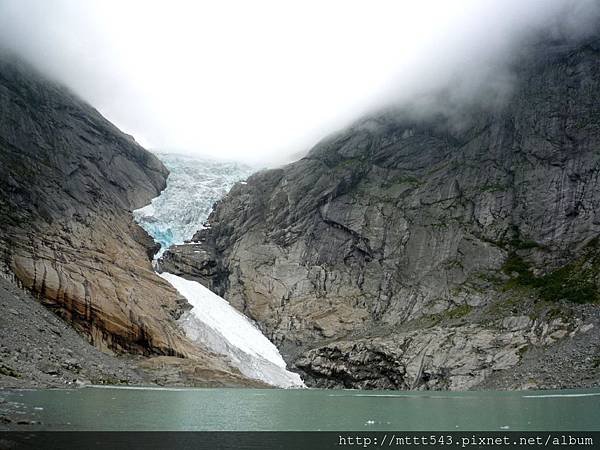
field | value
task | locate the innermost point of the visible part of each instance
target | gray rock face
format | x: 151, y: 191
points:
x: 454, y: 357
x: 39, y: 350
x: 358, y: 259
x: 68, y: 182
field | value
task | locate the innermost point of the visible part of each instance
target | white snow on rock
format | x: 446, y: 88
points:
x: 216, y: 324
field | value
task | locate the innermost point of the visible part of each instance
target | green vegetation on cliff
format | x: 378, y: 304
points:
x: 575, y: 282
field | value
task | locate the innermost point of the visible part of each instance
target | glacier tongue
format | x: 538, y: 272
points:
x: 193, y: 186
x: 215, y: 323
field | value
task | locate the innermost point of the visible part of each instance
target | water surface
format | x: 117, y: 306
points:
x: 100, y: 408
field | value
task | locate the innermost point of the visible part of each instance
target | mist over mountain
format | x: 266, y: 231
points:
x: 184, y: 75
x: 454, y: 246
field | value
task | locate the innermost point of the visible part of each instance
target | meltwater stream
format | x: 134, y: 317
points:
x: 193, y: 186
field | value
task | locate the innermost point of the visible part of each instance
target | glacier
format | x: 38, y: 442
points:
x: 193, y: 186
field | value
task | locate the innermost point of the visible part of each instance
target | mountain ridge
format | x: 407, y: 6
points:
x: 69, y: 182
x: 68, y: 177
x: 415, y: 251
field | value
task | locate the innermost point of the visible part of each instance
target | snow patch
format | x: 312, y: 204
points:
x: 216, y: 324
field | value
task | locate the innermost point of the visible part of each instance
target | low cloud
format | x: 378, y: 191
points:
x: 262, y: 81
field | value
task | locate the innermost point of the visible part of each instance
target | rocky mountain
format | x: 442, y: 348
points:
x: 418, y: 251
x: 69, y: 181
x: 38, y: 349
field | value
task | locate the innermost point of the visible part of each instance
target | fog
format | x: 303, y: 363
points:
x: 262, y: 81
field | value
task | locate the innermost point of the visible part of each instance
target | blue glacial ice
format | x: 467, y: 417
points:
x: 193, y: 186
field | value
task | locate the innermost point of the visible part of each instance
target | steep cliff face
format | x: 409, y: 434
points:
x: 69, y: 180
x: 404, y: 253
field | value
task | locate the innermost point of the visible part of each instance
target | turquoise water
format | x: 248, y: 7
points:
x: 99, y: 408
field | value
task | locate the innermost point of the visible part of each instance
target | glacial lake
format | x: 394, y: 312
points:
x: 116, y: 409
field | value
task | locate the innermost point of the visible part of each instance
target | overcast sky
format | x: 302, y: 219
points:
x: 261, y: 80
